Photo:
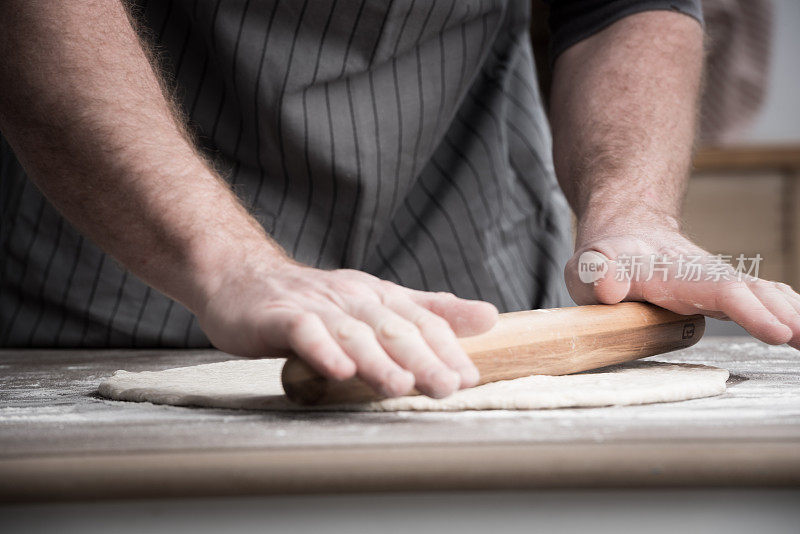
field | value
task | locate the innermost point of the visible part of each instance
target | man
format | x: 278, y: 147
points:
x: 404, y: 139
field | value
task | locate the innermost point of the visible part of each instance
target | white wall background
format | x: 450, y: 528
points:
x: 779, y: 120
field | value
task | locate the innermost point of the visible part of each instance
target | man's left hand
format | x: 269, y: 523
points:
x: 655, y: 263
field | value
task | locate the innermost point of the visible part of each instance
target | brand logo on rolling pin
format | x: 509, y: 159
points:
x: 688, y: 331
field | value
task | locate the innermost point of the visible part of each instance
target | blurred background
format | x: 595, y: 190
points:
x: 744, y: 195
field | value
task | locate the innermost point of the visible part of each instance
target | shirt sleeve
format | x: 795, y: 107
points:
x: 572, y: 21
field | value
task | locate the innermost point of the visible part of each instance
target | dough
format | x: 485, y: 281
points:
x: 255, y: 384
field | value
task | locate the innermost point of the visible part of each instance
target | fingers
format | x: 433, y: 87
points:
x: 433, y: 320
x: 693, y: 281
x: 403, y: 342
x: 307, y: 336
x: 337, y: 346
x: 384, y: 337
x: 758, y: 306
x: 791, y: 296
x: 767, y: 311
x: 437, y: 334
x: 738, y: 301
x: 727, y: 300
x: 374, y: 366
x: 465, y: 317
x: 783, y: 303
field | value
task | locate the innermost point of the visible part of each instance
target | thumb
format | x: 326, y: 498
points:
x: 593, y: 277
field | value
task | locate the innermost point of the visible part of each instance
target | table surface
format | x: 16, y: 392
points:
x: 58, y: 439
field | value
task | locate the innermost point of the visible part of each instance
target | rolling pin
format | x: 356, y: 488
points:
x: 555, y: 341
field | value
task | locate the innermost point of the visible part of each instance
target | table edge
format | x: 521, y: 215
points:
x: 408, y: 468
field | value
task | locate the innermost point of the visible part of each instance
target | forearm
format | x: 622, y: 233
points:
x: 623, y: 115
x: 86, y: 114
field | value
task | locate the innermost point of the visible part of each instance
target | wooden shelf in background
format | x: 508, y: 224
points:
x: 746, y: 199
x: 748, y: 157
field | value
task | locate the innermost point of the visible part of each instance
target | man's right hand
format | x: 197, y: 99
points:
x: 345, y: 323
x: 106, y: 149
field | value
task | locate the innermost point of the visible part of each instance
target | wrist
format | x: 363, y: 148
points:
x: 218, y: 250
x: 621, y: 218
x: 219, y: 263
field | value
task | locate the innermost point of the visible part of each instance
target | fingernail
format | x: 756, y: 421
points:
x: 397, y: 329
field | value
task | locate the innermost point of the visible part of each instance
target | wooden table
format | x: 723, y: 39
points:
x: 58, y: 440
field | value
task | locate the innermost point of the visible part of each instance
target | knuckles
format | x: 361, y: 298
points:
x: 349, y: 330
x: 396, y: 329
x: 301, y: 323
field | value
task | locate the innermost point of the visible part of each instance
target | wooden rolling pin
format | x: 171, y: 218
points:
x: 556, y: 341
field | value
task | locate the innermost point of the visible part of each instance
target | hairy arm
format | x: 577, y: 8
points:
x: 85, y: 112
x: 88, y: 118
x: 624, y: 108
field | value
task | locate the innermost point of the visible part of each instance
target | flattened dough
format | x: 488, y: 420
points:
x: 255, y: 385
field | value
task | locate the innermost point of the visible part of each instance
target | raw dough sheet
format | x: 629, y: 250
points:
x: 255, y: 385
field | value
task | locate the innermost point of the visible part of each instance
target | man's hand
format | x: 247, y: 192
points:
x: 623, y: 112
x: 346, y: 323
x: 655, y: 263
x: 84, y: 110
